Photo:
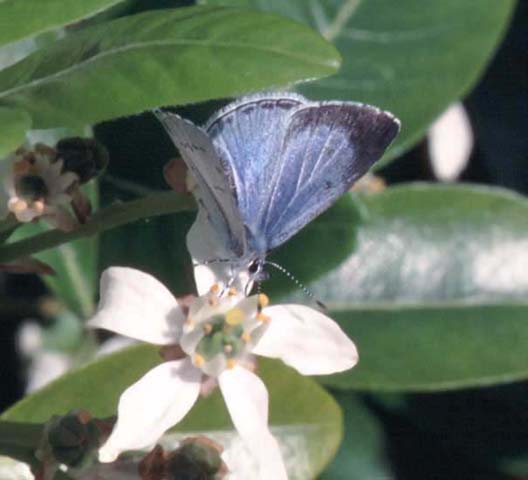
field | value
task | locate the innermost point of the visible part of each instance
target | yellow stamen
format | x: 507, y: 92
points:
x: 246, y: 337
x: 263, y: 318
x: 231, y: 363
x: 232, y: 292
x: 213, y: 301
x: 39, y: 206
x: 198, y: 360
x: 235, y: 316
x: 263, y: 300
x: 19, y: 206
x: 215, y: 288
x: 189, y: 321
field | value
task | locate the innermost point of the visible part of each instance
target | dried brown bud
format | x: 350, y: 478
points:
x: 84, y: 156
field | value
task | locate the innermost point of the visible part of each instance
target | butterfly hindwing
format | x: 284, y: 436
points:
x: 214, y: 178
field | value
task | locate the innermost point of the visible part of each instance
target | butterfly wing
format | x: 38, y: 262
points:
x: 214, y: 177
x: 291, y: 158
x: 248, y: 134
x: 325, y: 149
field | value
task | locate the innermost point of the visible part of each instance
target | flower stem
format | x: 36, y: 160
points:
x: 20, y: 440
x: 105, y: 219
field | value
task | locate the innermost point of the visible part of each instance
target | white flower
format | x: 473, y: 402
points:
x: 217, y: 338
x: 34, y: 186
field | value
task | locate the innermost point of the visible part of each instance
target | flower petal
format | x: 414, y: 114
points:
x: 246, y: 399
x: 135, y: 304
x: 306, y: 340
x: 151, y: 406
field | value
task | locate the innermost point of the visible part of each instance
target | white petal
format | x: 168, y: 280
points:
x: 151, y: 406
x: 65, y: 181
x: 246, y: 399
x: 450, y: 142
x: 205, y: 245
x: 135, y: 304
x: 306, y: 340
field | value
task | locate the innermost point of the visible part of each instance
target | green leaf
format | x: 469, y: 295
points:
x: 163, y: 57
x: 302, y: 414
x: 482, y: 428
x: 318, y: 248
x: 75, y: 264
x: 436, y: 293
x: 22, y: 18
x: 406, y: 56
x: 14, y: 123
x: 361, y: 455
x: 19, y: 440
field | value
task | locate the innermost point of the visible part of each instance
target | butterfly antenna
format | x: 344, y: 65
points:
x: 298, y: 283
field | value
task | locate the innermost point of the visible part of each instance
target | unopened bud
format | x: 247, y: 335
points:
x: 72, y: 439
x: 197, y: 459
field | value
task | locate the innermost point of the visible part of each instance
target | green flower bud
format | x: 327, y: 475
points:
x: 71, y: 440
x: 196, y: 459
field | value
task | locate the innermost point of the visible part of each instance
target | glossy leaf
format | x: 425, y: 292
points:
x: 14, y: 123
x: 163, y: 57
x: 401, y: 56
x: 361, y: 455
x: 19, y: 19
x: 435, y: 294
x: 309, y: 423
x: 484, y: 427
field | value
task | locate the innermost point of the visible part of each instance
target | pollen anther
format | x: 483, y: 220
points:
x: 39, y: 206
x: 215, y: 288
x: 263, y: 318
x: 198, y: 360
x: 19, y: 206
x: 263, y: 300
x: 235, y: 316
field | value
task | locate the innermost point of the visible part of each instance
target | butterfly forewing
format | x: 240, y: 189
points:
x: 326, y: 148
x: 268, y: 164
x: 214, y: 178
x: 248, y: 135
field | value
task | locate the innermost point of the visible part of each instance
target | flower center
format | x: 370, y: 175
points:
x: 223, y: 334
x: 31, y: 187
x: 222, y: 329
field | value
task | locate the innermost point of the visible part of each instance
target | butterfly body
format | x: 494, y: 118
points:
x: 268, y: 164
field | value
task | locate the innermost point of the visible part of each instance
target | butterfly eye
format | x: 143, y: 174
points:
x: 254, y: 267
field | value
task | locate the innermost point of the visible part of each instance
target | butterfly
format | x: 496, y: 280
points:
x: 268, y: 164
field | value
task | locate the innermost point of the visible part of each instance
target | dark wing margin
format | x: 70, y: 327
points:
x: 327, y: 147
x: 214, y: 178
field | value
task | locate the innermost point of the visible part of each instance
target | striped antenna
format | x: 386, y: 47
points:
x: 300, y: 285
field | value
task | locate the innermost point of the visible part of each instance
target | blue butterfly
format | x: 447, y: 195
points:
x: 268, y: 164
